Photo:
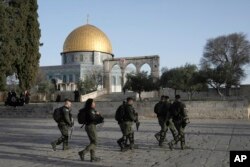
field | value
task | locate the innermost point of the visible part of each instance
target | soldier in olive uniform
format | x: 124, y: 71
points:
x: 92, y: 119
x: 180, y: 119
x: 64, y: 124
x: 162, y: 109
x: 129, y: 118
x: 158, y: 110
x: 119, y: 118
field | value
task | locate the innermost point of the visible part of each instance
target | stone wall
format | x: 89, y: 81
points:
x: 197, y: 109
x: 93, y: 95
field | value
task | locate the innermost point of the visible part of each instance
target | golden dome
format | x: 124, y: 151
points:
x: 87, y: 38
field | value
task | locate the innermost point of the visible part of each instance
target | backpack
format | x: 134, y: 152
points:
x: 81, y: 117
x: 177, y: 110
x: 120, y: 113
x: 57, y: 115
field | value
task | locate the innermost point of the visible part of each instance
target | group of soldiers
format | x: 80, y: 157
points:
x: 171, y: 116
x: 92, y: 118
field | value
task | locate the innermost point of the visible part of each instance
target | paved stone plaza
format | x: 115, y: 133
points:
x: 25, y: 142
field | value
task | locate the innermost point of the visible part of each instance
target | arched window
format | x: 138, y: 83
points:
x: 146, y: 68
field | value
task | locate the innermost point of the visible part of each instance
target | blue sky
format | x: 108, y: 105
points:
x: 176, y: 30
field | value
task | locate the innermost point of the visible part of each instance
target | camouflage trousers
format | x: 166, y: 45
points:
x: 165, y: 125
x: 181, y: 134
x: 64, y: 129
x: 129, y: 132
x: 91, y: 132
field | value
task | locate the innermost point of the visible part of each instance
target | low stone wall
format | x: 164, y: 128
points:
x: 93, y: 95
x: 197, y: 109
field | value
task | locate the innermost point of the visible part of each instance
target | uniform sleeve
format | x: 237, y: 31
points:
x: 131, y: 113
x: 156, y: 108
x: 93, y: 117
x: 66, y: 115
x: 184, y: 111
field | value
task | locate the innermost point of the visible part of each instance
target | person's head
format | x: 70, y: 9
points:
x: 167, y: 98
x: 130, y: 100
x: 177, y: 97
x: 162, y: 98
x: 90, y: 103
x: 67, y: 103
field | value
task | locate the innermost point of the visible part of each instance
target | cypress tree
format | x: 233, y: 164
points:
x: 28, y: 66
x: 7, y: 42
x: 19, y: 41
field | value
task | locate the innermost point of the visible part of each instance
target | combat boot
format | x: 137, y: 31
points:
x: 176, y: 139
x: 157, y: 136
x: 93, y: 158
x: 65, y: 145
x: 53, y: 144
x: 131, y: 141
x: 162, y: 138
x: 81, y: 154
x: 184, y: 146
x: 170, y: 145
x: 120, y: 142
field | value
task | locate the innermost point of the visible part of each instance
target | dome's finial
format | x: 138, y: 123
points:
x: 87, y: 18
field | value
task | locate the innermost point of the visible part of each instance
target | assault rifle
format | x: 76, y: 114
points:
x: 137, y: 123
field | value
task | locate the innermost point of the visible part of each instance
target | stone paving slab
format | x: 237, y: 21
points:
x: 25, y: 143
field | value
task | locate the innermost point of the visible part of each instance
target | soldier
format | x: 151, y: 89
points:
x: 119, y: 118
x: 64, y: 124
x: 92, y: 119
x: 128, y: 118
x: 158, y: 111
x: 180, y: 119
x: 162, y: 109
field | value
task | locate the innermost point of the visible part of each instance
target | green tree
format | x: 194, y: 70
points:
x: 140, y: 82
x: 192, y: 81
x: 87, y: 85
x: 172, y: 78
x: 6, y: 43
x: 186, y: 78
x: 19, y: 41
x: 28, y: 67
x: 229, y: 54
x: 96, y: 76
x: 215, y: 77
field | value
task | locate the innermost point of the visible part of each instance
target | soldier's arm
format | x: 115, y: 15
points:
x: 66, y: 116
x: 156, y: 108
x: 131, y: 113
x: 184, y: 110
x: 93, y: 116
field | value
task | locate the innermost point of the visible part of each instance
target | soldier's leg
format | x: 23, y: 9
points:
x: 65, y: 134
x: 177, y: 139
x: 131, y: 141
x: 93, y: 158
x: 91, y: 132
x: 122, y: 141
x: 59, y: 140
x: 129, y: 134
x: 163, y: 132
x: 158, y: 134
x: 182, y: 134
x: 56, y: 142
x: 172, y: 129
